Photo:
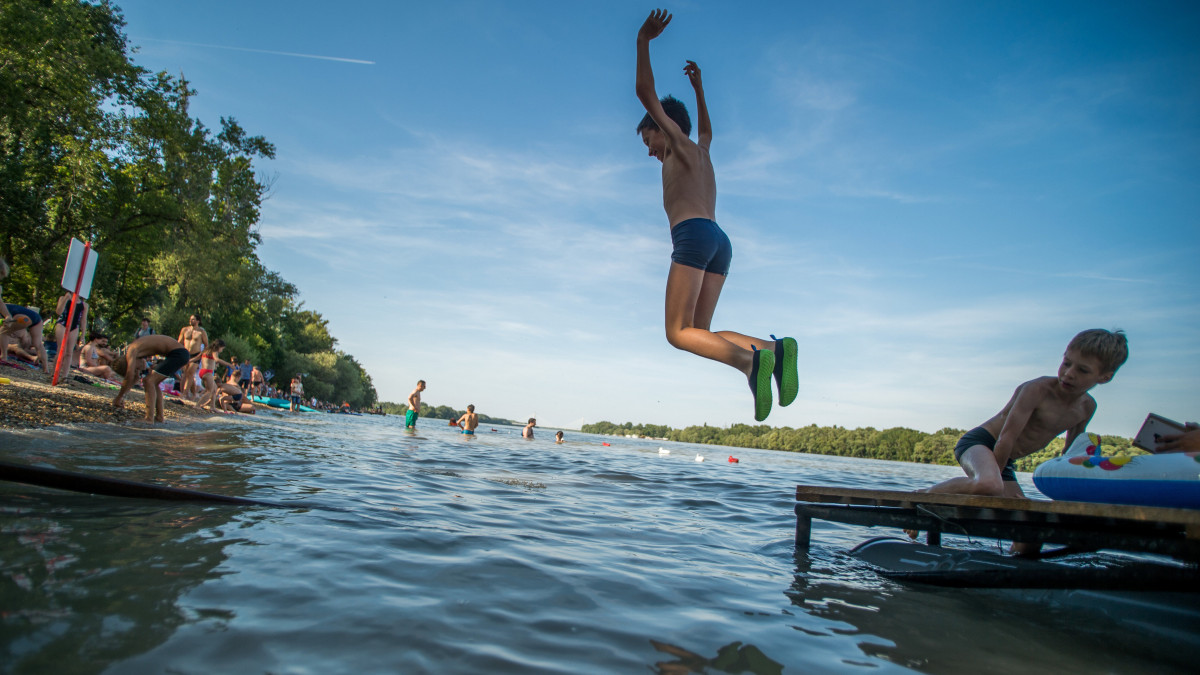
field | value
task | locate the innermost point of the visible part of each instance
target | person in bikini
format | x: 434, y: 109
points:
x: 1038, y: 411
x: 67, y: 339
x: 194, y: 338
x: 131, y: 367
x: 702, y: 252
x: 469, y: 421
x: 209, y: 360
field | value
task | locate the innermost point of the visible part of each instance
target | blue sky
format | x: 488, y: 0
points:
x: 932, y: 197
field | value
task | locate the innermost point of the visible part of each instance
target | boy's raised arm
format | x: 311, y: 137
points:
x: 703, y: 125
x: 655, y: 24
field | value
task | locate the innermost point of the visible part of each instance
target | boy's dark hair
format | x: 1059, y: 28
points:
x: 471, y: 407
x: 675, y: 109
x: 1109, y: 347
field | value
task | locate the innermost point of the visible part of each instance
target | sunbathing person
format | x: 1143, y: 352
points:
x: 93, y: 355
x: 29, y: 321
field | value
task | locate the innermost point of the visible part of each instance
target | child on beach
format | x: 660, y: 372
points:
x: 414, y: 406
x: 702, y: 252
x: 209, y: 360
x: 136, y: 356
x: 1038, y: 411
x: 469, y: 421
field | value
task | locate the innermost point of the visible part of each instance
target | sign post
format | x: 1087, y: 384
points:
x: 77, y: 278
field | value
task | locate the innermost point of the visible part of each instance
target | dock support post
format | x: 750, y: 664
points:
x: 933, y: 538
x: 803, y: 531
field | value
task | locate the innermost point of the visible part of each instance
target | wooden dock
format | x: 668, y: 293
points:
x: 1079, y: 525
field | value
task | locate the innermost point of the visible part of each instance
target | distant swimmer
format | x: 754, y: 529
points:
x: 469, y: 421
x: 414, y: 406
x: 558, y: 437
x: 130, y: 367
x: 702, y: 252
x: 527, y: 432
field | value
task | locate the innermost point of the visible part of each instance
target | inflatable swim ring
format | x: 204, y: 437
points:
x: 1084, y: 474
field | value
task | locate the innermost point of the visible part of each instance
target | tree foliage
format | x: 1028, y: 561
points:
x: 97, y: 148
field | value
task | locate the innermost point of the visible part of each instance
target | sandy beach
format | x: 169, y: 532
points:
x: 28, y: 401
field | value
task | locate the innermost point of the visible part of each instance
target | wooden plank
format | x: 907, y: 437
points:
x: 863, y: 497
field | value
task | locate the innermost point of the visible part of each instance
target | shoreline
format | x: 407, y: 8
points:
x: 29, y: 402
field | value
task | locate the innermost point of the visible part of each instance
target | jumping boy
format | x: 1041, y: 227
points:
x: 141, y: 349
x: 702, y: 252
x: 1038, y: 411
x: 414, y: 406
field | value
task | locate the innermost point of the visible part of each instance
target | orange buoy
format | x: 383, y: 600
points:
x: 733, y: 459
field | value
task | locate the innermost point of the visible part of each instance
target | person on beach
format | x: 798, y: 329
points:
x: 257, y: 382
x: 93, y: 356
x: 136, y: 355
x: 414, y: 406
x: 209, y: 360
x: 195, y: 338
x: 1038, y: 411
x: 558, y: 437
x: 702, y: 252
x: 68, y: 339
x: 244, y: 373
x: 527, y: 432
x: 469, y: 421
x: 297, y: 393
x: 144, y: 329
x: 29, y: 321
x: 230, y: 399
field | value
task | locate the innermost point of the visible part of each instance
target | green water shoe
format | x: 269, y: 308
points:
x: 760, y: 383
x: 787, y: 373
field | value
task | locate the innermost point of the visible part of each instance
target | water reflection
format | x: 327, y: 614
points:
x: 732, y: 658
x: 941, y: 630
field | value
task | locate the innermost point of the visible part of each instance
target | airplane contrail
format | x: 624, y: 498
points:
x: 261, y: 51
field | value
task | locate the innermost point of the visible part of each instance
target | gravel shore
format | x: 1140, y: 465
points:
x: 28, y: 401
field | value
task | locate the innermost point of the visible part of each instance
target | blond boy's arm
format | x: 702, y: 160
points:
x: 1028, y: 398
x: 1081, y: 428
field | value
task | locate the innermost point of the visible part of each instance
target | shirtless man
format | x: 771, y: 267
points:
x: 134, y: 362
x: 257, y: 382
x: 527, y: 432
x: 702, y: 252
x: 194, y: 338
x: 414, y: 406
x: 469, y: 421
x: 93, y: 355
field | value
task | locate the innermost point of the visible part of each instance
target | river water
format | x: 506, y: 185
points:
x: 434, y: 552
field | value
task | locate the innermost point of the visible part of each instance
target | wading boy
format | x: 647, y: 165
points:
x: 469, y: 421
x: 175, y: 357
x: 702, y: 252
x: 1038, y: 411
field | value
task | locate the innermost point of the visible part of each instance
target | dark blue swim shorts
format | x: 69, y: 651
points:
x: 700, y: 243
x: 981, y: 436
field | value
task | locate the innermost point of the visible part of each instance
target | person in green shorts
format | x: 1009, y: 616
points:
x: 702, y: 252
x: 414, y: 406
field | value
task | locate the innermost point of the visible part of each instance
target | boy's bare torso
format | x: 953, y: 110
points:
x: 470, y: 421
x: 1054, y: 413
x: 689, y: 184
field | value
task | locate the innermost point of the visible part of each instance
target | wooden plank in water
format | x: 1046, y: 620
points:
x: 895, y: 498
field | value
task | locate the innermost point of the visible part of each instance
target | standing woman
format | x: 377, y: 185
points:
x: 209, y: 359
x: 67, y: 338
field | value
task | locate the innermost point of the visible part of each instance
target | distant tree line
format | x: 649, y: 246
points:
x: 898, y: 443
x: 441, y: 412
x: 95, y: 147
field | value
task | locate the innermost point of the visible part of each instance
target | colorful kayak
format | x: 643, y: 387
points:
x: 1084, y: 474
x: 281, y: 403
